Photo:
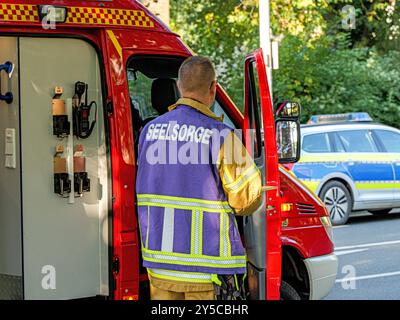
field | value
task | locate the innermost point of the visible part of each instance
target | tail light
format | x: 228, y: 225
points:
x: 326, y: 222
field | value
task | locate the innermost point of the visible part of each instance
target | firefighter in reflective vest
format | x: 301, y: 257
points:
x: 194, y: 175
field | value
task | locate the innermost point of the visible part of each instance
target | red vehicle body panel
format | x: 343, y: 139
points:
x: 303, y: 231
x: 116, y: 44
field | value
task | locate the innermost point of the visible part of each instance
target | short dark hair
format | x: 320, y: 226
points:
x: 196, y: 74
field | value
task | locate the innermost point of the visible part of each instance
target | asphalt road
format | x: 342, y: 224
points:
x: 368, y: 248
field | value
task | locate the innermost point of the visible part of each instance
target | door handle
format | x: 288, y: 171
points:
x: 8, y: 67
x: 350, y: 162
x: 331, y: 164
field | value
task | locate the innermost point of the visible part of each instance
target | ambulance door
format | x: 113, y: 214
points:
x: 65, y: 202
x: 10, y: 173
x: 262, y: 229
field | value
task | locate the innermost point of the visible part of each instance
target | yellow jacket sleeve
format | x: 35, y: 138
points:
x: 240, y: 177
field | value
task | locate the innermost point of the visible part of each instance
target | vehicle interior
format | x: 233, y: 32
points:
x: 153, y: 88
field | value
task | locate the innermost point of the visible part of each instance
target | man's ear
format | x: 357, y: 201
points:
x: 178, y: 83
x: 214, y: 87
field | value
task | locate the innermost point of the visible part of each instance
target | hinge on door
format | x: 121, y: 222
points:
x: 115, y: 266
x: 110, y: 108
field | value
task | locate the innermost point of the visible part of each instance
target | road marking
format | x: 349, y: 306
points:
x: 372, y: 276
x: 341, y: 253
x: 338, y: 227
x: 367, y: 245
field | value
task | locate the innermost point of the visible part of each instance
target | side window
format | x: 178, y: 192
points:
x: 254, y: 110
x: 217, y: 109
x: 337, y: 144
x: 389, y: 139
x: 140, y: 94
x: 316, y: 143
x: 357, y: 141
x: 152, y: 88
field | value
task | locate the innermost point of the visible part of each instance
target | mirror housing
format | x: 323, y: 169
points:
x: 288, y: 110
x: 287, y: 130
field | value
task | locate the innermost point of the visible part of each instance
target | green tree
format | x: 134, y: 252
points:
x: 326, y: 68
x: 226, y: 31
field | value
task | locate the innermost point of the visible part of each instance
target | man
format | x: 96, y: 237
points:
x: 194, y: 174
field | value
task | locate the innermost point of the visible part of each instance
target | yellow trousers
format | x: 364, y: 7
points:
x: 161, y: 289
x: 160, y: 294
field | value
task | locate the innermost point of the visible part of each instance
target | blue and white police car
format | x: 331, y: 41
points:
x: 351, y: 163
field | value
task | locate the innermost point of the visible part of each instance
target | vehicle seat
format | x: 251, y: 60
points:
x: 164, y: 93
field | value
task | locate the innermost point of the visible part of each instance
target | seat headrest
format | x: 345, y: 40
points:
x: 164, y: 93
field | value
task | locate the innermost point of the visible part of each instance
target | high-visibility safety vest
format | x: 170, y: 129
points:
x: 186, y: 223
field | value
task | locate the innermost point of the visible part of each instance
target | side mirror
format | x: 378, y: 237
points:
x: 288, y: 140
x: 287, y: 128
x: 288, y: 110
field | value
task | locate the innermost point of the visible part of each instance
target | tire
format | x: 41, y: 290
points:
x: 288, y: 292
x: 380, y: 212
x: 338, y: 202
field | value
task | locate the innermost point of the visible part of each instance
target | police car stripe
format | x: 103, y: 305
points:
x: 348, y: 157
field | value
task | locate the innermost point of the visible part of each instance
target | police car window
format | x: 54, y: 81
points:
x: 389, y: 139
x: 217, y: 109
x: 357, y: 141
x: 316, y: 143
x: 338, y: 146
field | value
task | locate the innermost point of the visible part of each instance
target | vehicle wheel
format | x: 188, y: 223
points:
x: 338, y: 201
x: 288, y: 292
x: 380, y: 212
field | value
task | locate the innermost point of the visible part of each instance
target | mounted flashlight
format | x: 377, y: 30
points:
x: 52, y: 14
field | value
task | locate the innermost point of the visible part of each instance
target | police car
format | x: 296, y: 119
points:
x: 351, y: 163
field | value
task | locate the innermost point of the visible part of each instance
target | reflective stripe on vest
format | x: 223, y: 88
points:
x: 192, y: 260
x: 201, y: 212
x: 180, y: 276
x: 247, y: 175
x: 196, y: 232
x: 183, y: 203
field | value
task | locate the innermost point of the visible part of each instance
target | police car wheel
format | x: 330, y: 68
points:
x: 338, y: 201
x: 288, y: 292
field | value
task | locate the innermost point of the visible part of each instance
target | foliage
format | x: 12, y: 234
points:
x: 226, y: 31
x: 328, y: 80
x: 326, y: 68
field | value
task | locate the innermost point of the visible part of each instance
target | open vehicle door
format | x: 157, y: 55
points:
x: 262, y: 230
x: 125, y: 258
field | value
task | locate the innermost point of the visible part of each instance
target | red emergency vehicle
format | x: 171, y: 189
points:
x: 78, y: 81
